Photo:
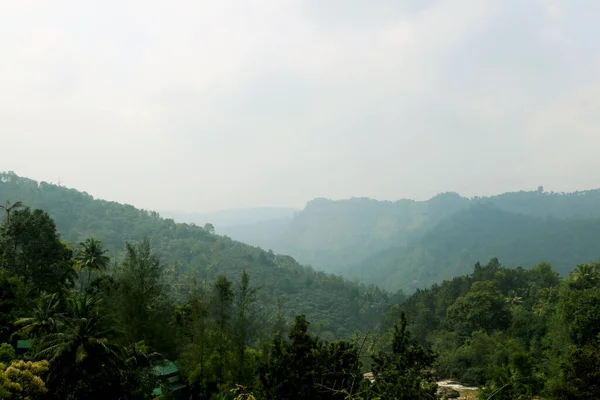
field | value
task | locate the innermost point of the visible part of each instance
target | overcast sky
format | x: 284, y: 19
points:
x: 207, y: 105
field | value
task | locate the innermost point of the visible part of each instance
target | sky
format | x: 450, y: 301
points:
x: 205, y: 105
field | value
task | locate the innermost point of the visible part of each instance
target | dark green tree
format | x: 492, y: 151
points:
x: 406, y: 372
x: 7, y: 207
x: 91, y: 256
x: 30, y: 247
x: 244, y: 325
x: 483, y: 307
x: 46, y: 318
x: 140, y: 303
x: 221, y: 308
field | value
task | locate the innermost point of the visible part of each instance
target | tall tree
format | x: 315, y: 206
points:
x: 7, y: 207
x: 31, y: 247
x: 244, y: 323
x: 46, y: 318
x: 82, y: 345
x: 141, y: 304
x: 403, y: 374
x: 91, y: 256
x: 221, y: 304
x: 586, y: 276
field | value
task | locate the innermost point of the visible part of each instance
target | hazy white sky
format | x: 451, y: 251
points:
x: 204, y: 105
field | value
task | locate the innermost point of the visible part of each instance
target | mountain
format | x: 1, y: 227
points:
x: 407, y: 244
x: 257, y: 226
x: 479, y: 233
x: 189, y: 252
x: 233, y: 217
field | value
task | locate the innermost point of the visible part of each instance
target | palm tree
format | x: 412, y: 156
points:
x: 46, y: 317
x: 91, y: 256
x: 82, y: 344
x: 8, y: 208
x: 586, y: 275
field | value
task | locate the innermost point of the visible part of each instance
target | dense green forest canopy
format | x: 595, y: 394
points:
x: 518, y: 333
x: 99, y: 329
x: 79, y: 320
x: 90, y: 328
x: 190, y: 252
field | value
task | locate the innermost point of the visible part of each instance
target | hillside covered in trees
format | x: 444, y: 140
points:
x: 190, y: 252
x: 76, y: 324
x: 409, y: 244
x: 516, y: 333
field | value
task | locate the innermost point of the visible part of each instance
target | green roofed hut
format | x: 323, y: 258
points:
x: 171, y: 381
x: 23, y: 346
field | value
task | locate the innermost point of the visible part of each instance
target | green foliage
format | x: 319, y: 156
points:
x: 7, y: 353
x: 582, y: 372
x: 405, y: 373
x: 22, y: 380
x: 409, y: 244
x: 191, y: 252
x: 45, y: 320
x: 139, y: 299
x: 483, y: 307
x: 91, y: 257
x: 516, y: 333
x: 308, y: 368
x: 30, y: 247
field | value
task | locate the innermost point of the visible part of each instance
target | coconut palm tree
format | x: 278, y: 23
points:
x: 82, y: 344
x: 46, y: 317
x: 7, y: 207
x: 586, y: 275
x: 91, y: 256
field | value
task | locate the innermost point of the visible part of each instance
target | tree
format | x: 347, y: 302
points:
x: 141, y: 305
x: 91, y: 256
x: 7, y: 207
x: 308, y: 368
x: 582, y: 372
x: 23, y: 380
x: 210, y: 228
x: 14, y: 296
x: 243, y: 326
x: 84, y: 361
x: 7, y: 353
x: 46, y: 317
x: 586, y: 276
x: 404, y: 374
x: 221, y: 304
x: 483, y: 307
x: 30, y: 247
x: 82, y: 344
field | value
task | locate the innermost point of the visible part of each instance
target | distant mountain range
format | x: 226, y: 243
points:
x: 407, y: 244
x: 233, y: 217
x: 403, y: 244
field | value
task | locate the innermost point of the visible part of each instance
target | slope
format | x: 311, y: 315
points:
x: 333, y: 234
x: 337, y: 235
x: 190, y: 251
x: 479, y: 233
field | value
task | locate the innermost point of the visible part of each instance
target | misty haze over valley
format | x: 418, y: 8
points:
x: 300, y: 199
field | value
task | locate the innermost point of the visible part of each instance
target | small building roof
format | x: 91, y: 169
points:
x: 165, y: 368
x: 23, y: 344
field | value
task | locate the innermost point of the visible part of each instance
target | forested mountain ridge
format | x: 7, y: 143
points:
x: 333, y: 234
x: 481, y: 232
x: 192, y: 252
x: 408, y: 244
